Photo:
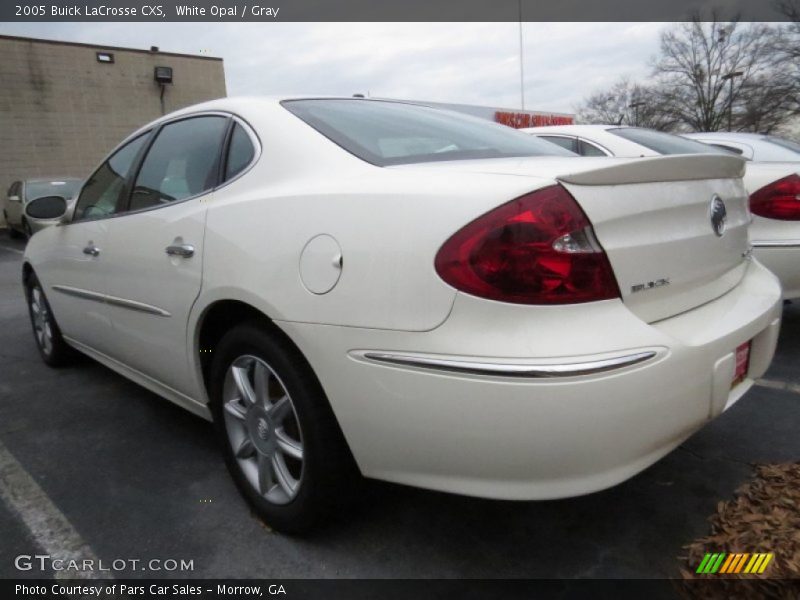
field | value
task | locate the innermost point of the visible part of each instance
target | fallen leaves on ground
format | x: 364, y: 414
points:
x: 764, y: 516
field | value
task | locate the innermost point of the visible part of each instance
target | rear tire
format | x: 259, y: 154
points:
x: 52, y: 348
x: 281, y: 442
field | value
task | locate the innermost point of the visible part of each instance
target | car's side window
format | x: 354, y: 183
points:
x: 183, y: 161
x: 240, y: 152
x: 567, y: 143
x: 101, y: 194
x: 587, y: 149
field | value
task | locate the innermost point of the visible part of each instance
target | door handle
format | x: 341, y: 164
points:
x: 91, y: 250
x: 182, y: 250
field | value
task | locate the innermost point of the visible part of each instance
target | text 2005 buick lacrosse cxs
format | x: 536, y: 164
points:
x: 356, y: 286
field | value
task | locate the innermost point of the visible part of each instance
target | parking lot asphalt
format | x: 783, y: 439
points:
x: 139, y: 478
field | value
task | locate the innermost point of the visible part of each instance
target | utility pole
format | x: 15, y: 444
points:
x: 521, y: 60
x: 729, y: 77
x: 635, y: 106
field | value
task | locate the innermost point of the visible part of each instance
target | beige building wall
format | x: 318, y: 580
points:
x: 62, y: 111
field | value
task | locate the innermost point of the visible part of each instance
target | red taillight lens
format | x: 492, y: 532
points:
x: 537, y: 249
x: 778, y: 200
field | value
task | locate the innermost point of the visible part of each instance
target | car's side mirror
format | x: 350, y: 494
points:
x: 46, y: 208
x: 13, y: 198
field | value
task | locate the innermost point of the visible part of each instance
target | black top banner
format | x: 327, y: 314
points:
x: 392, y: 10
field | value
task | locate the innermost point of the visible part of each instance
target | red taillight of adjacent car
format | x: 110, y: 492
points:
x: 537, y: 249
x: 778, y: 200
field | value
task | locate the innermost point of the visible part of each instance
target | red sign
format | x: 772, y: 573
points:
x: 517, y: 120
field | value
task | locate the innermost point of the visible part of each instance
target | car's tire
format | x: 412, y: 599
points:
x: 52, y: 347
x: 285, y: 451
x: 12, y: 233
x: 26, y: 227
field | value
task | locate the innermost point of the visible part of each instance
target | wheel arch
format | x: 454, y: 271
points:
x: 218, y: 317
x: 27, y: 273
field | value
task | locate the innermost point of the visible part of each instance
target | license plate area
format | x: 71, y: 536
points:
x: 742, y: 363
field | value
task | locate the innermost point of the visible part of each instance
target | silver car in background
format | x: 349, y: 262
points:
x: 23, y: 191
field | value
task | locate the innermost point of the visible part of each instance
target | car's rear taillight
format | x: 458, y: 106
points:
x: 778, y: 200
x: 536, y: 249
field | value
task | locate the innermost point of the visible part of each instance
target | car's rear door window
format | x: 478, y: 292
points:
x: 183, y: 161
x: 588, y: 149
x: 568, y: 143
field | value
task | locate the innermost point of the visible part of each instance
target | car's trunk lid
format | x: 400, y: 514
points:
x: 654, y: 219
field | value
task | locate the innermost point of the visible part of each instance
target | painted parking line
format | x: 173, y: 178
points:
x: 17, y: 250
x: 775, y: 384
x: 49, y: 527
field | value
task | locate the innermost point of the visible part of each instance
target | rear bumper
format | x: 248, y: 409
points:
x: 520, y: 437
x: 782, y: 257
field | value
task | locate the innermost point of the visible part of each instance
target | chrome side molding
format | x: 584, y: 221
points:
x: 775, y: 244
x: 105, y: 298
x: 532, y: 371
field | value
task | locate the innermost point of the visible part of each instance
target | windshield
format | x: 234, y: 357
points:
x: 58, y: 187
x: 666, y: 143
x: 393, y: 133
x: 786, y: 144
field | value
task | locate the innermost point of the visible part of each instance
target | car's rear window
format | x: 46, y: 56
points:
x: 58, y: 187
x: 395, y: 133
x: 665, y: 143
x: 784, y: 143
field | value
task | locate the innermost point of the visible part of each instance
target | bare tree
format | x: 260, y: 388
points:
x: 626, y: 103
x: 786, y: 50
x: 713, y: 71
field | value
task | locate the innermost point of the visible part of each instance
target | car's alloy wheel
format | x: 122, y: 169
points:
x: 263, y: 429
x: 52, y: 347
x: 282, y: 444
x: 41, y: 319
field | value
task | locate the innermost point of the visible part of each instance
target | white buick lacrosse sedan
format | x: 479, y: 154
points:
x: 349, y: 286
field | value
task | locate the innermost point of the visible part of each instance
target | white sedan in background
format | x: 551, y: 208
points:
x: 774, y: 187
x: 753, y: 146
x: 356, y: 286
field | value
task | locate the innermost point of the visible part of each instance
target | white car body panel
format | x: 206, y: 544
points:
x: 776, y: 243
x: 69, y: 271
x: 532, y: 417
x: 137, y: 269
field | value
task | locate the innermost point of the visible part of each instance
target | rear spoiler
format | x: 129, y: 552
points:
x: 682, y: 167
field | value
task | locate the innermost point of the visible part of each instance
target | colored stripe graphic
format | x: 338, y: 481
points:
x: 763, y: 565
x: 740, y: 564
x: 717, y: 564
x: 722, y: 563
x: 726, y: 565
x: 752, y: 563
x: 703, y: 563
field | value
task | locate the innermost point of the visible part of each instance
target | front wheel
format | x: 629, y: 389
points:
x: 281, y: 441
x: 52, y: 347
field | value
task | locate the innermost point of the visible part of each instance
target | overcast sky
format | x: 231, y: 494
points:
x: 472, y: 63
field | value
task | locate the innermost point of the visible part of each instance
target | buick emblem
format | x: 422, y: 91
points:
x: 718, y: 215
x: 263, y: 429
